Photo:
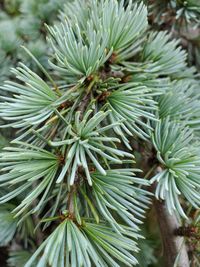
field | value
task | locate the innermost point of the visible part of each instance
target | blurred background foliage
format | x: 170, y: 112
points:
x: 22, y: 22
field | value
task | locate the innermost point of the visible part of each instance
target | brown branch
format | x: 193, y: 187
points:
x: 174, y: 247
x: 84, y: 103
x: 70, y: 203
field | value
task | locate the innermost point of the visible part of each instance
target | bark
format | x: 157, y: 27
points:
x: 174, y: 246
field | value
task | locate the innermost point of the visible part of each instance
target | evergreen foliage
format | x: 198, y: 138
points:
x: 72, y: 175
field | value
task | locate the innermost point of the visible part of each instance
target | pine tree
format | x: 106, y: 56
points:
x: 107, y: 129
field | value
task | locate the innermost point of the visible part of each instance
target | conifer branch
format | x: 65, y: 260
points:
x: 120, y: 95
